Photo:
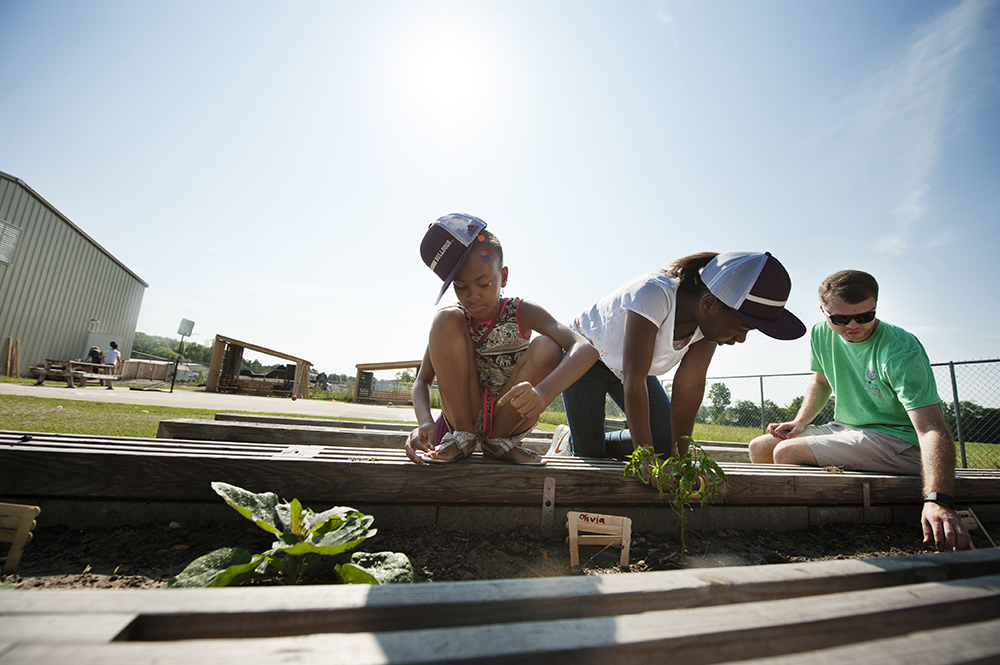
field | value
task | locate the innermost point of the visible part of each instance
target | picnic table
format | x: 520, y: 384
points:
x: 74, y: 372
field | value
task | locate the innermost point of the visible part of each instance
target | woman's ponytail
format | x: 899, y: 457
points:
x: 688, y: 269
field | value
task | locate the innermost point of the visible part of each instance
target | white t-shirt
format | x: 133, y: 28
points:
x: 653, y: 296
x: 111, y: 356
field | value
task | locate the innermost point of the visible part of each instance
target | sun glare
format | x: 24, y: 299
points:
x: 454, y: 78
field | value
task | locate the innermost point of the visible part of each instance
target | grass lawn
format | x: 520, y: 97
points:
x: 41, y: 414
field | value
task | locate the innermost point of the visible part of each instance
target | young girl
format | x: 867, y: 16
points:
x: 494, y: 382
x: 664, y: 319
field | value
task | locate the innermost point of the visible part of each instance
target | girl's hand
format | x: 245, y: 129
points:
x: 525, y: 399
x: 420, y: 440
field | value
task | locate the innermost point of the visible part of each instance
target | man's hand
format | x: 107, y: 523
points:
x: 943, y: 527
x: 419, y: 440
x: 525, y: 398
x: 785, y: 430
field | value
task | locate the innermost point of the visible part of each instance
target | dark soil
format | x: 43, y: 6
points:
x: 147, y: 556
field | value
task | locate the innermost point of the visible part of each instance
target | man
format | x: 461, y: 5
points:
x: 887, y: 414
x: 112, y: 357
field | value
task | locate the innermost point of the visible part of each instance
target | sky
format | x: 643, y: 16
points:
x: 270, y: 168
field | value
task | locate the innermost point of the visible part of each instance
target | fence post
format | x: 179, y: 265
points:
x: 763, y: 425
x: 958, y: 414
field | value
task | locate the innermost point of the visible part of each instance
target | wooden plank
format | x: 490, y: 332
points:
x: 261, y: 349
x: 968, y: 643
x: 168, y: 614
x: 111, y: 467
x: 209, y: 430
x: 691, y: 635
x: 398, y: 364
x: 295, y: 434
x: 293, y: 431
x: 314, y: 422
x: 89, y: 628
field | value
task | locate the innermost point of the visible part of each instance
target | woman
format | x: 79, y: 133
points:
x: 660, y: 320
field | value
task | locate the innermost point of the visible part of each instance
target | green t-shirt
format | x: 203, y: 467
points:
x: 878, y: 380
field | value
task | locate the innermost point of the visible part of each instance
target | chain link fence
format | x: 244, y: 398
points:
x: 739, y: 408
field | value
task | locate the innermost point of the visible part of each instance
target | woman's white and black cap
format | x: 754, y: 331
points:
x: 756, y: 285
x: 447, y: 243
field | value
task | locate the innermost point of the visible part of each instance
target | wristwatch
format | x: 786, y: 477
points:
x: 940, y: 499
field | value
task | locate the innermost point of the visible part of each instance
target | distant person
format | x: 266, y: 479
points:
x: 666, y: 319
x: 94, y: 356
x: 112, y: 357
x: 494, y: 379
x: 887, y: 416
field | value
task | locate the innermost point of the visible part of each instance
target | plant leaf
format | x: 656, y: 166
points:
x: 331, y: 519
x: 223, y: 567
x: 384, y: 567
x: 261, y: 509
x: 348, y: 536
x: 354, y: 574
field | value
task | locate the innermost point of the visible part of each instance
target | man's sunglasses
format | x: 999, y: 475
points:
x: 844, y: 319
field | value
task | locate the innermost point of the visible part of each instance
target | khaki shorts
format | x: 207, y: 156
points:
x: 836, y: 444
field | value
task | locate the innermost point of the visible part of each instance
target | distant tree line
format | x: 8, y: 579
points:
x: 166, y: 348
x: 746, y: 413
x: 979, y: 424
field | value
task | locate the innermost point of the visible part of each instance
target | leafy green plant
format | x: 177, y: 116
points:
x: 693, y: 476
x: 303, y: 537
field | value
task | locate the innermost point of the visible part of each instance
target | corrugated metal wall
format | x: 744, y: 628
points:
x: 60, y: 279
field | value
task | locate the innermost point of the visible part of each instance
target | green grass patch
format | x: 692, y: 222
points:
x: 41, y: 414
x: 12, y: 379
x: 709, y: 432
x: 979, y: 455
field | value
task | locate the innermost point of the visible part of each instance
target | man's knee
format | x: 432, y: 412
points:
x: 762, y: 449
x: 794, y: 451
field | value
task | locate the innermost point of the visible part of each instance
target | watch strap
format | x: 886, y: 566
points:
x: 940, y: 499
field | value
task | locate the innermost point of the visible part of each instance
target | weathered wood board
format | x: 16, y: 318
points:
x: 64, y: 465
x: 927, y: 609
x: 313, y: 422
x: 292, y: 431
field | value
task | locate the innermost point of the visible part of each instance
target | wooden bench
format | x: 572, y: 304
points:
x: 16, y: 525
x: 924, y: 610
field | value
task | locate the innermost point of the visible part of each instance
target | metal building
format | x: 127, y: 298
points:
x: 60, y: 291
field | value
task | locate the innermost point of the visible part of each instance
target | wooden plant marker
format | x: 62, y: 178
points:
x: 612, y: 530
x: 971, y: 522
x: 16, y: 523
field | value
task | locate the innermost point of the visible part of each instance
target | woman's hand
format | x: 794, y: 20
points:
x: 420, y: 440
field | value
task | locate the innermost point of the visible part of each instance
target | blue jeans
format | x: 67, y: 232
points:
x: 584, y: 402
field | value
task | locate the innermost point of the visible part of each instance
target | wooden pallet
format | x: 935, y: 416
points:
x: 923, y: 610
x: 67, y: 465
